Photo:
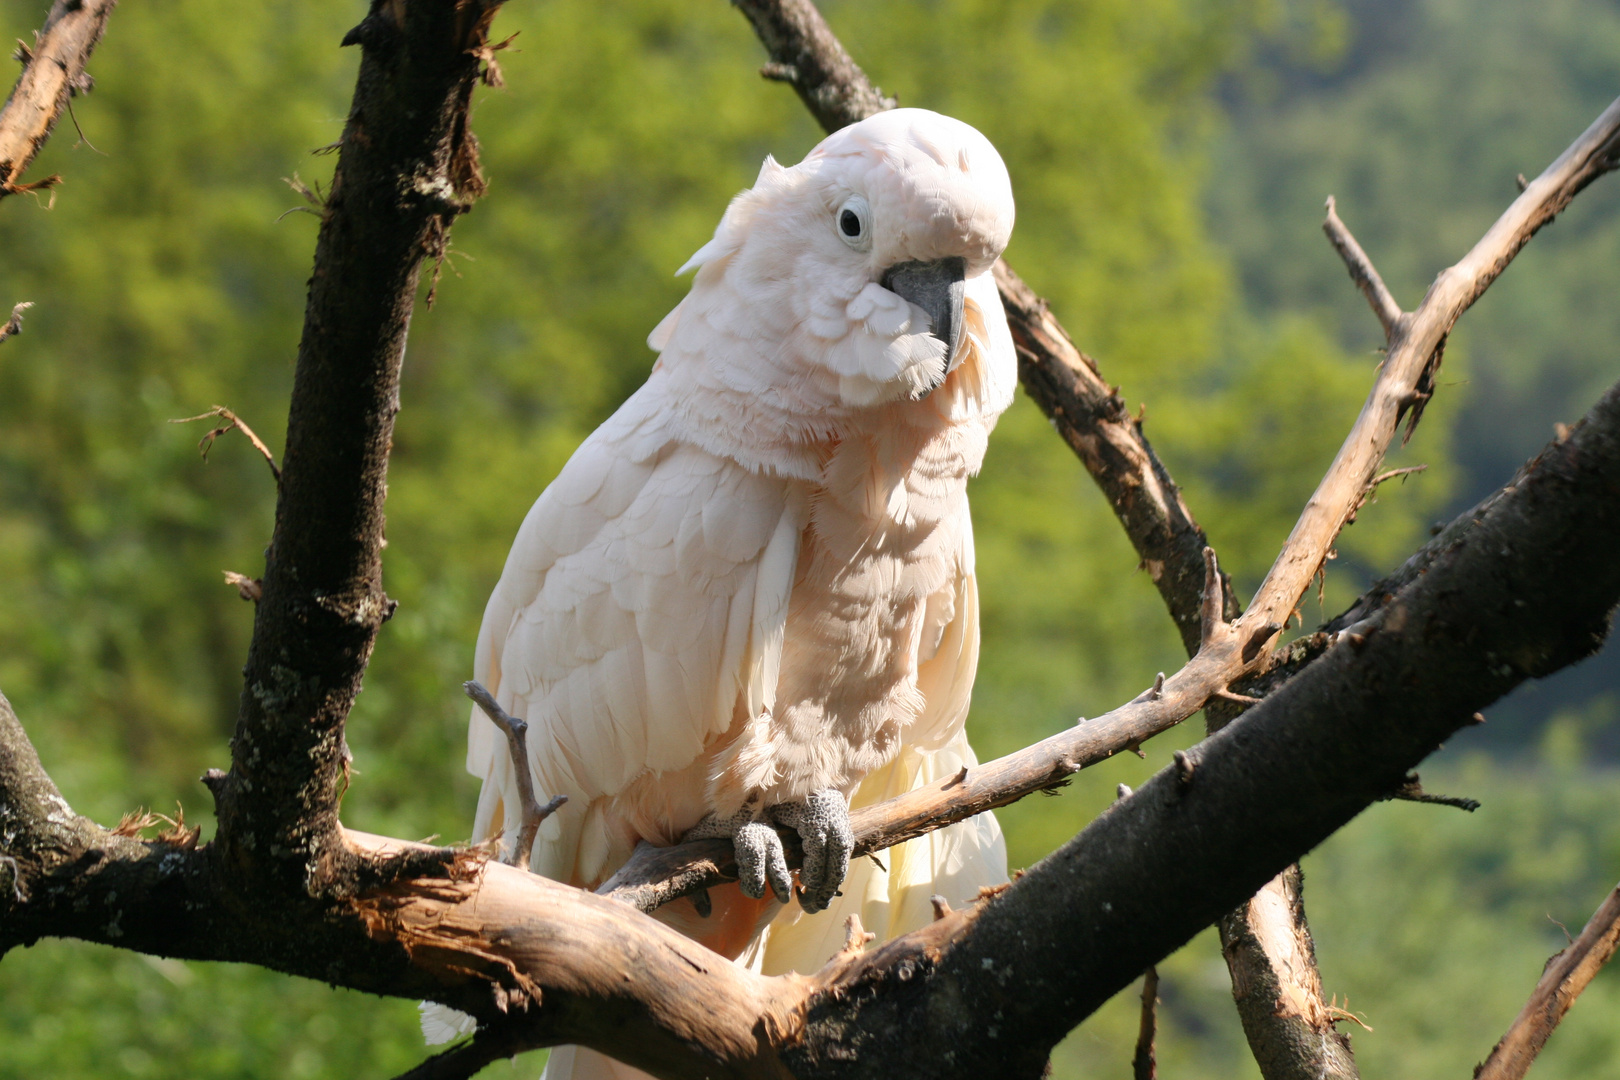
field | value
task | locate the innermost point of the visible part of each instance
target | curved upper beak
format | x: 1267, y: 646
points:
x: 939, y: 288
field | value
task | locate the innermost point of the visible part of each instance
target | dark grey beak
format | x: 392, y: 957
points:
x: 938, y: 288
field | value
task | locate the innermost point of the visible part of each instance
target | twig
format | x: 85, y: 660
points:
x: 53, y: 71
x: 1362, y: 271
x: 517, y: 740
x: 1411, y: 790
x: 231, y: 421
x: 13, y: 325
x: 1391, y: 474
x: 1566, y: 975
x: 1144, y: 1064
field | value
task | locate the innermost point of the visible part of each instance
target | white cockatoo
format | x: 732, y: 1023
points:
x: 748, y: 598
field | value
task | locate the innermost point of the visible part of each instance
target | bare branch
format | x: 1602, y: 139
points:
x: 1411, y: 790
x: 13, y: 325
x: 517, y: 740
x: 1406, y: 379
x: 232, y: 421
x: 806, y: 55
x: 1144, y: 1064
x: 1361, y: 270
x: 1277, y: 986
x: 1566, y: 975
x: 407, y: 168
x: 53, y: 71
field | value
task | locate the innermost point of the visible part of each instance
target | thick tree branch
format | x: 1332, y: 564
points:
x: 53, y: 72
x: 407, y: 167
x: 1567, y: 974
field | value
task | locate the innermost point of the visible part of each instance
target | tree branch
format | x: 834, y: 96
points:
x: 407, y: 167
x: 1144, y: 1064
x: 517, y: 740
x: 53, y: 71
x: 1567, y: 974
x: 1361, y: 270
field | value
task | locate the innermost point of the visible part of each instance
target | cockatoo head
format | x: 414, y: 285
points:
x: 858, y: 260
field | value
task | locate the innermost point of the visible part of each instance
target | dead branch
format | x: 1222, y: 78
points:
x: 1566, y: 975
x: 13, y: 325
x: 1361, y: 270
x: 53, y: 71
x: 1144, y: 1063
x: 232, y: 422
x: 1277, y: 986
x: 517, y: 740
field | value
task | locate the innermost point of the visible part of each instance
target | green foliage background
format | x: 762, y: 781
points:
x: 1169, y: 157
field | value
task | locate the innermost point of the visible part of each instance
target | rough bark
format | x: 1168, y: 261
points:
x: 53, y: 72
x: 1277, y: 986
x: 407, y: 167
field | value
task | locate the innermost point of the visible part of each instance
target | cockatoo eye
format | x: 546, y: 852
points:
x: 854, y: 223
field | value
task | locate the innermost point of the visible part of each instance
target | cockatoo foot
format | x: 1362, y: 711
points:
x: 822, y: 822
x: 760, y: 857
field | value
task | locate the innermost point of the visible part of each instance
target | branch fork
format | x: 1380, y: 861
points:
x: 517, y: 741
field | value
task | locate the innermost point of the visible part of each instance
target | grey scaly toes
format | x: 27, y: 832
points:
x: 822, y: 822
x: 760, y: 857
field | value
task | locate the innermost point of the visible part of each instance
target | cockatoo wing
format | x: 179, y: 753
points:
x: 644, y: 599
